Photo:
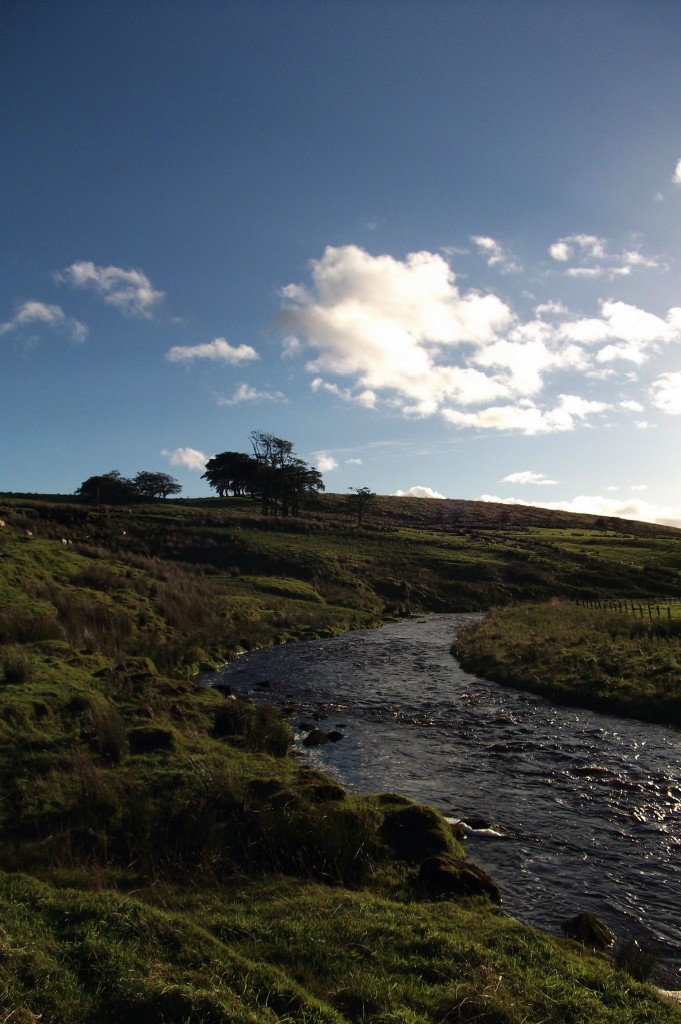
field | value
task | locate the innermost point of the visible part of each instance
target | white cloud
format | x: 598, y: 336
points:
x: 594, y: 260
x: 353, y: 462
x: 677, y: 173
x: 631, y: 405
x: 324, y: 463
x: 527, y: 418
x: 633, y: 333
x: 665, y: 392
x: 191, y: 458
x: 597, y: 505
x: 560, y: 251
x: 639, y: 487
x: 32, y: 313
x: 367, y: 398
x: 495, y: 255
x: 387, y: 323
x: 404, y: 335
x: 419, y: 492
x: 130, y: 291
x: 528, y: 477
x: 552, y: 308
x: 246, y: 393
x: 217, y: 350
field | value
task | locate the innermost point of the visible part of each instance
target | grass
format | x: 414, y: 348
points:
x: 288, y: 951
x: 166, y: 859
x: 610, y: 660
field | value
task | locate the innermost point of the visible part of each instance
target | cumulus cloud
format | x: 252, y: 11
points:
x: 495, y: 255
x: 324, y: 463
x: 367, y: 398
x: 528, y: 477
x: 590, y: 258
x: 386, y: 322
x: 677, y: 173
x: 527, y: 418
x: 130, y: 291
x: 190, y: 458
x: 246, y: 393
x: 665, y: 392
x: 217, y: 350
x: 419, y: 492
x: 597, y: 505
x: 33, y: 313
x: 403, y: 334
x: 631, y: 405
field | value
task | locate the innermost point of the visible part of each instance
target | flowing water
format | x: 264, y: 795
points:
x: 586, y: 807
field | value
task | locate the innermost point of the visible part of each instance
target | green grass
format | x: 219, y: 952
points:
x: 166, y: 859
x: 287, y: 951
x: 610, y: 660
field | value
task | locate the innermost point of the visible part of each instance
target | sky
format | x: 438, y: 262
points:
x: 435, y: 244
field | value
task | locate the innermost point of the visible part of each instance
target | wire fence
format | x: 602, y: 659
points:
x: 658, y: 608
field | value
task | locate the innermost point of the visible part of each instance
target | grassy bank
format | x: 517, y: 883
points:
x: 610, y: 660
x: 284, y: 950
x: 166, y: 859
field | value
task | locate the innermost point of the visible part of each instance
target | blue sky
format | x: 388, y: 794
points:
x: 436, y: 245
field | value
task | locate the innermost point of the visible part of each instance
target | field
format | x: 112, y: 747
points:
x: 166, y: 859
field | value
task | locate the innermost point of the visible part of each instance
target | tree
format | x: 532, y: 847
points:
x: 230, y: 471
x: 155, y: 485
x: 273, y: 474
x: 359, y: 501
x: 274, y: 457
x: 108, y: 489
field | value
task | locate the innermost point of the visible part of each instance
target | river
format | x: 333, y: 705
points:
x: 587, y: 806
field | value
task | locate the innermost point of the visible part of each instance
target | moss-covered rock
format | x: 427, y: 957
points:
x: 414, y: 832
x: 449, y: 878
x: 589, y: 930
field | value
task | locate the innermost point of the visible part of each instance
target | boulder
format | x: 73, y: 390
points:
x: 449, y: 878
x: 415, y: 831
x: 589, y: 930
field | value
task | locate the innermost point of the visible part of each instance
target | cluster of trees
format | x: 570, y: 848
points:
x: 114, y: 489
x: 272, y: 473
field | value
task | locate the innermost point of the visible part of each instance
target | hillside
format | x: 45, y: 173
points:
x: 165, y: 859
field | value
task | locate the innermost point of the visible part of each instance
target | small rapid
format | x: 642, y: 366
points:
x: 587, y: 806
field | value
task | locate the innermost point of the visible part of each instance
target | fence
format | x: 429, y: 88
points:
x: 651, y: 608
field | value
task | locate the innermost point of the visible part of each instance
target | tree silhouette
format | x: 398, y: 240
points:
x: 155, y: 485
x: 273, y: 474
x: 359, y: 501
x: 108, y: 489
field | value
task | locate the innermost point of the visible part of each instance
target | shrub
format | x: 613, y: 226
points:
x: 636, y: 956
x: 147, y: 739
x: 16, y: 665
x: 260, y: 726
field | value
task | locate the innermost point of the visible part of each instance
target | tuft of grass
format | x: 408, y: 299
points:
x: 16, y: 665
x: 636, y: 956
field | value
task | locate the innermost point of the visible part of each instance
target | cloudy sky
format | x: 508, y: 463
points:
x: 434, y: 243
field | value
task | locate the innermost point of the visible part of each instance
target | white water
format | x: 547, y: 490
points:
x: 589, y: 804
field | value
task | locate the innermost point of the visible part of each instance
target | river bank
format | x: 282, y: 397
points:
x: 607, y: 660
